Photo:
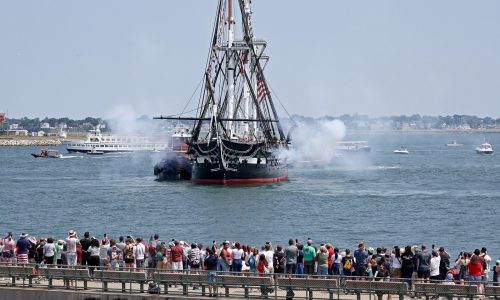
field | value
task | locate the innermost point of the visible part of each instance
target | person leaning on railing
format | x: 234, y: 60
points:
x: 211, y: 262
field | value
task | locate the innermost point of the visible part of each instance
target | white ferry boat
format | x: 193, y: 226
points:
x: 105, y: 142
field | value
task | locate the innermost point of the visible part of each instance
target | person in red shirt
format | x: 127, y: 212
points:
x: 225, y: 257
x: 329, y: 248
x: 475, y: 267
x: 263, y: 268
x: 176, y: 256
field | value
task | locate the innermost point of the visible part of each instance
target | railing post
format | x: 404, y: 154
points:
x: 185, y: 284
x: 275, y: 286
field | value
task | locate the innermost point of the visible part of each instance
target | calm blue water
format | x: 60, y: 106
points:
x: 436, y: 195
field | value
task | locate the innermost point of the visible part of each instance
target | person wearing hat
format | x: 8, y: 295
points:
x: 23, y: 245
x: 449, y: 279
x: 71, y: 243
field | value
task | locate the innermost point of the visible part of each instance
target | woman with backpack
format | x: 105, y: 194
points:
x: 128, y: 255
x: 252, y: 260
x: 279, y: 260
x: 347, y: 263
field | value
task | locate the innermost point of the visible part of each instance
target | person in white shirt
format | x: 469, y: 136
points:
x: 49, y: 251
x: 103, y: 252
x: 487, y: 262
x: 434, y: 266
x: 139, y: 254
x: 71, y: 242
x: 268, y: 253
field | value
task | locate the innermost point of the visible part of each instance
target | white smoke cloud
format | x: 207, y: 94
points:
x: 316, y: 142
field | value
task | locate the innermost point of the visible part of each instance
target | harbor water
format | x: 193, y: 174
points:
x: 447, y: 196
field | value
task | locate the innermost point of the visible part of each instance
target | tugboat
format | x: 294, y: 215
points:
x: 242, y: 136
x: 177, y: 163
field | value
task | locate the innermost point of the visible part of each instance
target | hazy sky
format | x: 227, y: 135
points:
x: 97, y: 58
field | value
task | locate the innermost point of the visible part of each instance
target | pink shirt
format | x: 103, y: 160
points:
x: 8, y: 245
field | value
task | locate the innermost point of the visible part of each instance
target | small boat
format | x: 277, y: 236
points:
x: 353, y: 146
x: 47, y: 153
x: 454, y: 144
x: 484, y: 148
x: 401, y: 150
x: 95, y: 152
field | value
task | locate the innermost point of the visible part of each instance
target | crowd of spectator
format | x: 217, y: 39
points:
x: 408, y: 263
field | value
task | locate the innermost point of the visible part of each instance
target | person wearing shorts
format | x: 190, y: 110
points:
x: 176, y: 256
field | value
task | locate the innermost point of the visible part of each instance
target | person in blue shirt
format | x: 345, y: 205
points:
x: 211, y: 262
x: 361, y: 257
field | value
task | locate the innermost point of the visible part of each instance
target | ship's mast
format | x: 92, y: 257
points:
x: 230, y: 64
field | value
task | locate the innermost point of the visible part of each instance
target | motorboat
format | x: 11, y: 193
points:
x: 401, y: 150
x: 454, y: 143
x: 353, y: 146
x: 484, y: 148
x: 47, y: 153
x: 95, y: 152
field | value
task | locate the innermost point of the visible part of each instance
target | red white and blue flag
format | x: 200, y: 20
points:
x: 261, y: 88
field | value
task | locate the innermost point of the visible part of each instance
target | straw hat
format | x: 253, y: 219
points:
x: 72, y: 233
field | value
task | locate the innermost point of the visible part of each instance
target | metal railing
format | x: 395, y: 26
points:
x: 235, y: 285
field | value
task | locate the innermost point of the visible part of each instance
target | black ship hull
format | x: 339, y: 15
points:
x: 236, y: 163
x: 244, y: 174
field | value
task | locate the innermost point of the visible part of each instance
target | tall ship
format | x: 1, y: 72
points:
x: 237, y: 137
x: 107, y: 142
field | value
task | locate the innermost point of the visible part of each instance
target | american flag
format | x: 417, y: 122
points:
x: 261, y: 88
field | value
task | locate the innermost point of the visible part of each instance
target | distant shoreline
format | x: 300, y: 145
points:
x: 430, y: 131
x: 32, y: 141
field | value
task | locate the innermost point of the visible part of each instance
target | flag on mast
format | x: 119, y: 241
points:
x: 2, y: 117
x: 261, y: 88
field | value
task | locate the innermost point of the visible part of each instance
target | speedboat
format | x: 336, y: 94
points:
x: 401, y: 150
x: 95, y: 152
x: 484, y: 148
x: 454, y: 144
x: 353, y: 146
x: 47, y: 153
